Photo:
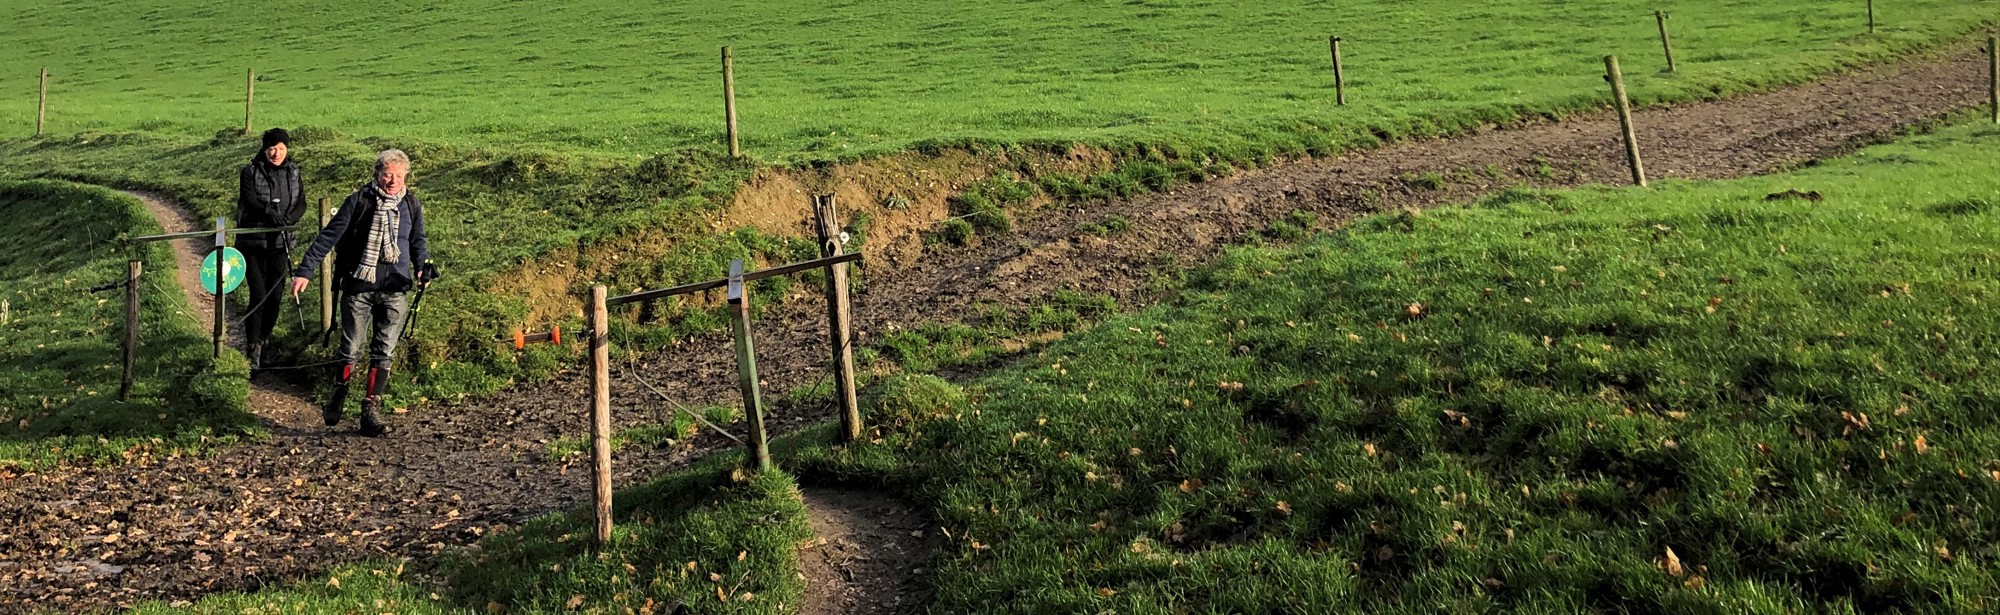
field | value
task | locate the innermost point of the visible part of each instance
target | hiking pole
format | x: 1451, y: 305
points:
x: 428, y: 273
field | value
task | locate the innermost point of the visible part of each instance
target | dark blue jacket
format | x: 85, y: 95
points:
x: 348, y: 230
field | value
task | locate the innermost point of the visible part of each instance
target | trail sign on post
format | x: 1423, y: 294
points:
x: 230, y: 270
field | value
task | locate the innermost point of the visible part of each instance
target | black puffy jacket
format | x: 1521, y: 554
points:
x: 269, y: 196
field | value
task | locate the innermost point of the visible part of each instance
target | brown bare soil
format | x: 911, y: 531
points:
x: 304, y: 499
x: 871, y: 549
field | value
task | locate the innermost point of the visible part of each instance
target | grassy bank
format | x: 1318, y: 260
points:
x: 1687, y: 398
x: 488, y: 215
x: 819, y: 81
x: 60, y: 345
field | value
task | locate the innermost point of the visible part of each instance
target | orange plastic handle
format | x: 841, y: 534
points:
x: 520, y: 340
x: 555, y: 335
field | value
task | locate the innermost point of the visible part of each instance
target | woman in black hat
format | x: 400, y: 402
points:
x: 270, y: 194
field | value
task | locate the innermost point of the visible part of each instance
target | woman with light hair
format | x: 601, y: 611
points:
x: 382, y: 253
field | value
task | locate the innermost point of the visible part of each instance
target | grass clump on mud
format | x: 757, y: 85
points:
x: 1683, y: 398
x: 60, y: 345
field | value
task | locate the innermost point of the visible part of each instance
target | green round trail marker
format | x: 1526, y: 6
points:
x: 232, y: 270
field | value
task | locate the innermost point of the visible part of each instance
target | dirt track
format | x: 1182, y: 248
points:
x: 305, y: 499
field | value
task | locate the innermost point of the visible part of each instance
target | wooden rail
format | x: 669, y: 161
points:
x: 759, y: 453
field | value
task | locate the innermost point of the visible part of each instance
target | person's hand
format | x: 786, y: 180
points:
x: 299, y: 286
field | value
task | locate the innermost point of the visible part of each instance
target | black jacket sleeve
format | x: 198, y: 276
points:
x: 247, y: 201
x: 328, y: 237
x: 420, y: 243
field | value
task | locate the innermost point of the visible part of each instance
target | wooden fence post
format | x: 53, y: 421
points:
x: 42, y: 104
x: 600, y: 412
x: 729, y: 101
x: 132, y: 271
x: 249, y: 96
x: 1993, y: 76
x: 1871, y: 16
x: 1339, y: 76
x: 326, y: 275
x: 746, y: 366
x: 1665, y: 43
x: 221, y: 273
x: 839, y: 321
x: 1625, y: 118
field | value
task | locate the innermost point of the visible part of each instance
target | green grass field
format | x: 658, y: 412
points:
x: 543, y: 133
x: 1518, y: 405
x: 842, y: 80
x: 60, y: 345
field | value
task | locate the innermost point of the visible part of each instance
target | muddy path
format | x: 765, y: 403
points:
x: 304, y: 499
x: 280, y: 403
x: 870, y: 552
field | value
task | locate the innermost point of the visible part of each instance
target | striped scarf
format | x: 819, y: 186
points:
x: 381, y: 248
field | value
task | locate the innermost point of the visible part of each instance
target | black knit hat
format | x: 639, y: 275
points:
x: 275, y: 136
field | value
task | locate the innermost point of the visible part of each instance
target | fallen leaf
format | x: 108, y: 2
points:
x: 1672, y: 564
x: 574, y: 601
x: 1284, y: 507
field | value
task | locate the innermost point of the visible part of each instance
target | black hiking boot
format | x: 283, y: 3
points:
x: 336, y: 403
x: 378, y: 380
x: 370, y: 426
x: 255, y: 353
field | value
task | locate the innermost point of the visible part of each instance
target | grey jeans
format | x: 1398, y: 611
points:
x: 370, y: 323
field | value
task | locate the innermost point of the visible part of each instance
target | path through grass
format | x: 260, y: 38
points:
x: 60, y: 345
x: 1683, y: 398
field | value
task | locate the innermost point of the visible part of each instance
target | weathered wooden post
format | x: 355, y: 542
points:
x: 1871, y: 16
x: 221, y: 273
x: 42, y: 104
x: 1993, y: 76
x: 746, y: 366
x: 249, y: 96
x: 600, y: 411
x: 1665, y: 43
x: 1339, y: 76
x: 839, y: 321
x: 132, y: 271
x: 325, y: 281
x: 1625, y: 118
x: 729, y: 101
